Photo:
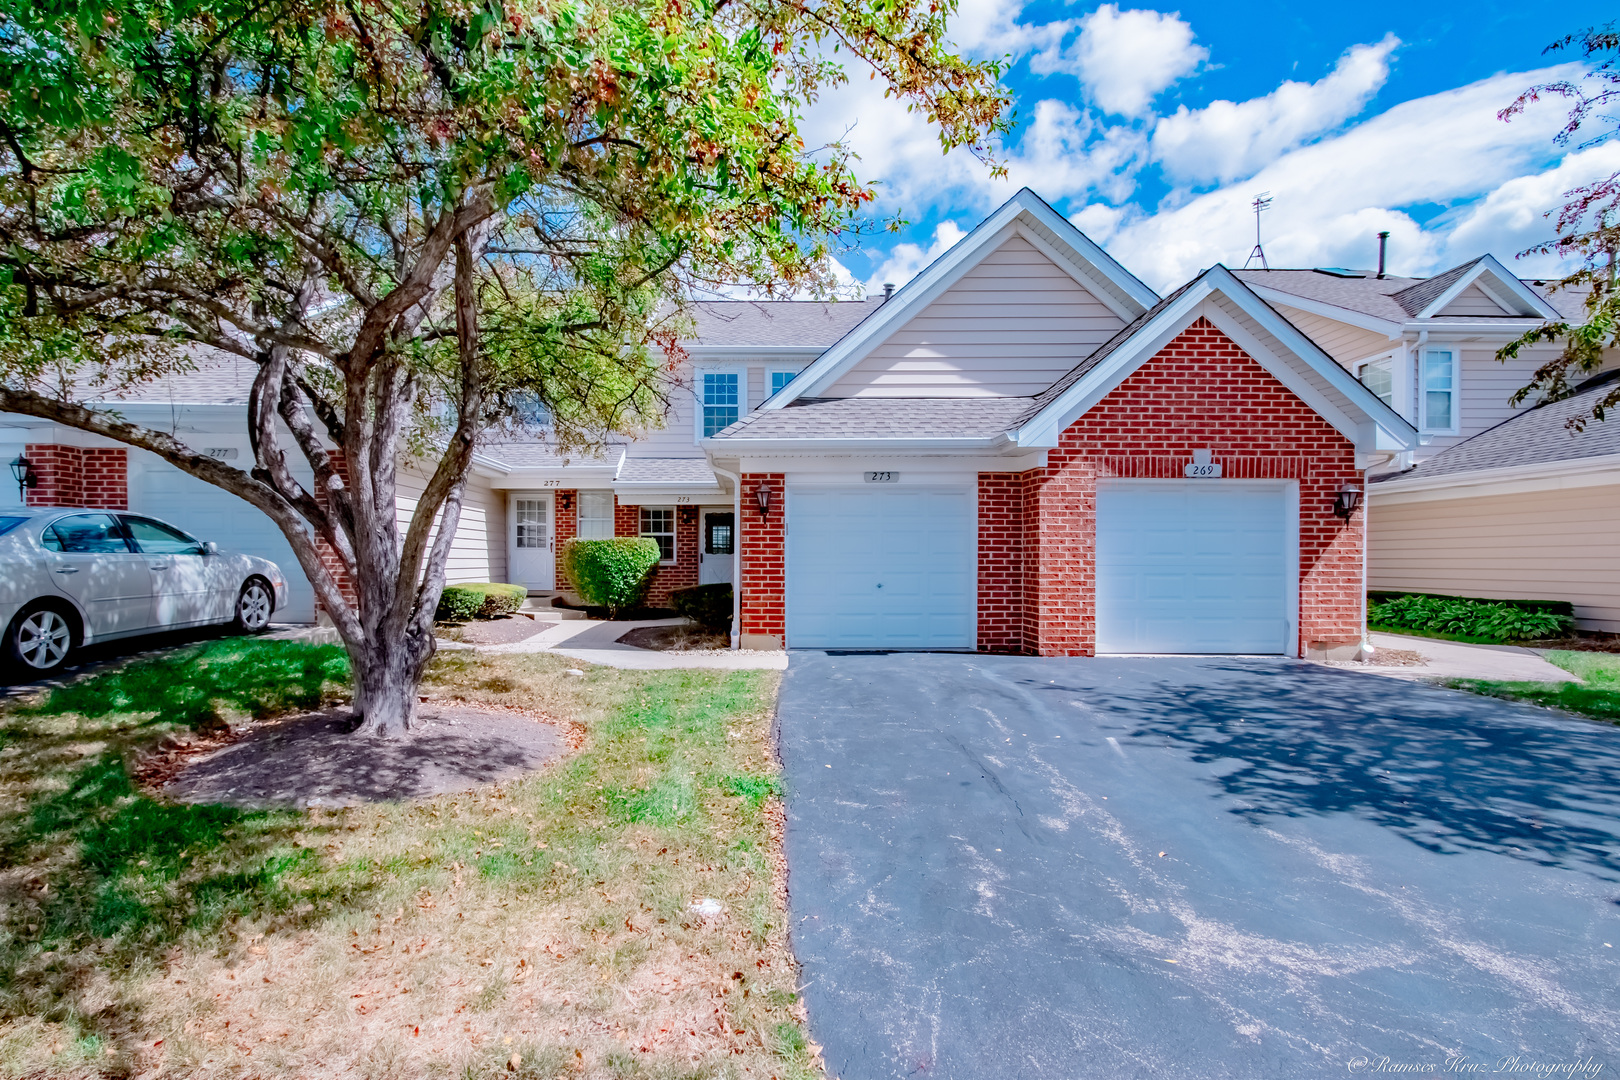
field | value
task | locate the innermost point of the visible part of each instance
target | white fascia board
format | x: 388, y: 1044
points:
x: 1387, y: 327
x: 1599, y: 471
x: 730, y: 448
x: 765, y: 353
x: 1508, y: 327
x: 946, y: 271
x: 642, y: 494
x: 1505, y: 282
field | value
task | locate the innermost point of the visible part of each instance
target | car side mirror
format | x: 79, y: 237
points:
x: 210, y: 548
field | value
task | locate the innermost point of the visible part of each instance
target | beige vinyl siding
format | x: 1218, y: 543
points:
x: 675, y: 438
x: 1008, y: 328
x: 1484, y: 386
x: 478, y: 552
x: 1340, y: 340
x: 1472, y: 301
x: 1546, y: 545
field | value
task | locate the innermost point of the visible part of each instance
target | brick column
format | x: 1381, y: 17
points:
x: 763, y: 614
x: 96, y: 478
x: 328, y: 554
x: 1001, y: 562
x: 567, y: 524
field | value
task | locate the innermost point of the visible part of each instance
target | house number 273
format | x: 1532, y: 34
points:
x: 882, y: 477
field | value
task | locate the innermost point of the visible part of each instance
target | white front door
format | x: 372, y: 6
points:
x: 882, y: 568
x: 717, y: 547
x: 1200, y: 566
x: 533, y: 560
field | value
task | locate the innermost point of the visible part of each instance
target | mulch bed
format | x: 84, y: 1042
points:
x: 677, y: 639
x: 314, y: 759
x: 498, y: 631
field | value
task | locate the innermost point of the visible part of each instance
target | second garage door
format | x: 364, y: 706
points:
x: 881, y: 568
x: 1203, y: 566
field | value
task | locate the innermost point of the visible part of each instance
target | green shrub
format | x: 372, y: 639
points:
x: 707, y: 605
x: 1496, y: 620
x: 479, y: 600
x: 610, y: 573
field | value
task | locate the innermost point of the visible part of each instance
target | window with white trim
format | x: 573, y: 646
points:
x: 720, y: 400
x: 595, y: 515
x: 658, y: 523
x: 1438, y: 382
x: 780, y: 379
x: 1378, y: 376
x: 533, y: 528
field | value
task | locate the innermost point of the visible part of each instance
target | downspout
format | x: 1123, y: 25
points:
x: 736, y: 553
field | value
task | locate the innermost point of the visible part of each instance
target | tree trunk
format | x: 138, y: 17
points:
x: 386, y: 675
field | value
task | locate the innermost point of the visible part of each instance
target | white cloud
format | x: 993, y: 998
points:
x: 1126, y: 58
x: 1447, y: 149
x: 906, y: 261
x: 1227, y: 140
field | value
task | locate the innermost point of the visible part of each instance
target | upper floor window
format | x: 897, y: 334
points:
x: 1377, y: 376
x: 720, y: 401
x: 658, y: 523
x: 1438, y: 381
x: 595, y: 515
x: 780, y: 379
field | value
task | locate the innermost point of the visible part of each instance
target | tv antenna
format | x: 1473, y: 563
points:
x: 1262, y: 203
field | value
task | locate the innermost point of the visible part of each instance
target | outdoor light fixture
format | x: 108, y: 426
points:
x: 762, y: 499
x: 567, y: 499
x: 23, y: 470
x: 1346, y: 501
x: 688, y: 515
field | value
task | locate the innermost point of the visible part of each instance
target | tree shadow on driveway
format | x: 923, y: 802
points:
x: 1447, y: 770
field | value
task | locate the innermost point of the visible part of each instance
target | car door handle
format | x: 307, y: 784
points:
x: 158, y: 566
x: 67, y: 569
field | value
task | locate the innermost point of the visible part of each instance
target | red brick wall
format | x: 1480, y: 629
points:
x: 683, y: 573
x: 328, y: 554
x: 1200, y: 391
x: 764, y: 541
x: 567, y: 528
x: 95, y: 478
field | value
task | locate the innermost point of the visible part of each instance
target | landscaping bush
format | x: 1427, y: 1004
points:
x: 707, y: 605
x: 1494, y: 620
x: 479, y: 600
x: 610, y: 574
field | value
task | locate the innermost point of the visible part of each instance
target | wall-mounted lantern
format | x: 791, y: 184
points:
x: 1346, y: 501
x: 689, y: 515
x: 567, y: 499
x: 23, y: 470
x: 762, y: 499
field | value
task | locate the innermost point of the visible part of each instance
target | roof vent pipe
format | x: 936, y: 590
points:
x: 888, y: 289
x: 1383, y: 245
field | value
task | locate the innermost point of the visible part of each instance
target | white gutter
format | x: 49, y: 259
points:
x: 1544, y: 470
x: 1512, y: 324
x: 736, y: 552
x: 744, y: 445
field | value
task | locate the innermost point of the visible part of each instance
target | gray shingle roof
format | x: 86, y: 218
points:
x: 1417, y: 297
x: 883, y: 418
x: 666, y: 471
x: 1368, y: 295
x: 538, y: 454
x: 809, y: 323
x: 1539, y: 436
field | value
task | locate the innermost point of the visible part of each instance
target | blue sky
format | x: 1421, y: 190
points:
x: 1152, y: 128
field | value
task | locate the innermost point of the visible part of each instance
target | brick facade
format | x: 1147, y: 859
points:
x: 762, y: 612
x: 683, y: 573
x: 327, y: 553
x: 1037, y: 530
x: 96, y: 478
x: 567, y: 525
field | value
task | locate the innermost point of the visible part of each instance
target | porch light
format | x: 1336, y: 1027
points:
x: 688, y: 515
x: 567, y: 499
x: 23, y: 470
x: 762, y: 499
x: 1346, y: 501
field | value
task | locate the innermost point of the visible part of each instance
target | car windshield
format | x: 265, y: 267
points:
x: 9, y: 522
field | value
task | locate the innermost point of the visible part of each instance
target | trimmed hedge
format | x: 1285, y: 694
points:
x: 479, y: 600
x: 707, y: 605
x: 1493, y: 620
x: 612, y: 573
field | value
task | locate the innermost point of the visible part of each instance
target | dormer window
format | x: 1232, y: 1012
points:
x: 1376, y: 376
x: 720, y: 401
x: 1438, y: 382
x: 779, y: 381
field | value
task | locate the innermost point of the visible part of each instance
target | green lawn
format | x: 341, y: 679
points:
x: 1597, y: 696
x: 536, y: 928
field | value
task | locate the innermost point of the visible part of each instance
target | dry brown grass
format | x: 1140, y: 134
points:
x: 541, y: 928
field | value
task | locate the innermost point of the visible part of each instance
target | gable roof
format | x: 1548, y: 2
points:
x: 1415, y: 298
x: 1386, y: 303
x: 1291, y: 357
x: 872, y: 418
x: 1025, y: 214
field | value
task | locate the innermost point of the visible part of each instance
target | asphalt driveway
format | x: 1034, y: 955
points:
x: 1015, y: 867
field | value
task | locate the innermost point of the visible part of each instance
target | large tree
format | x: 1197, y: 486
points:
x: 421, y: 220
x: 1586, y: 227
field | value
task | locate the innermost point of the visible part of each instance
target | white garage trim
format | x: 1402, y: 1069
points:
x: 1205, y: 611
x: 831, y: 599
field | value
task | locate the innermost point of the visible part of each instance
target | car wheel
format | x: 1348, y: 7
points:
x: 40, y: 639
x: 254, y: 605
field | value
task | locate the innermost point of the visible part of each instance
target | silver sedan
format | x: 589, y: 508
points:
x: 72, y: 577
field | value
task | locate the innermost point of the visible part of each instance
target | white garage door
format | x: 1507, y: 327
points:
x: 1203, y: 566
x: 211, y: 513
x: 881, y: 568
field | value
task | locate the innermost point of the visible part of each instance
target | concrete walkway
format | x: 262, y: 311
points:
x: 1459, y: 660
x: 597, y: 642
